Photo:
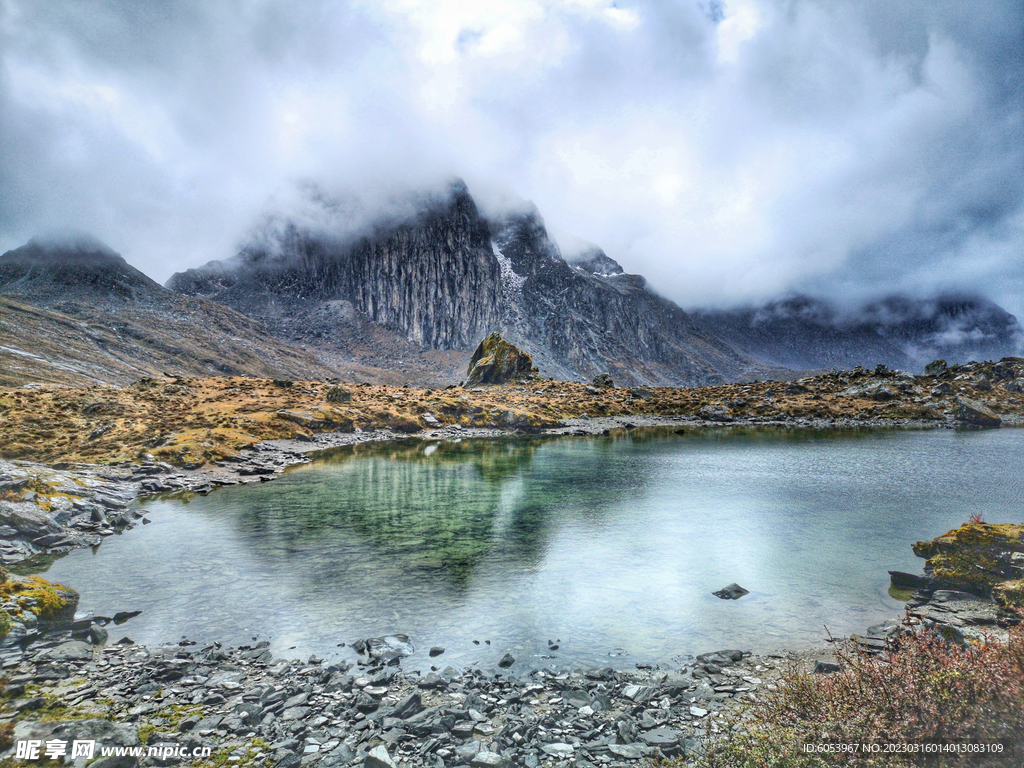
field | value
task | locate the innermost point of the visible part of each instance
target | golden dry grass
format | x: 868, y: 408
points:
x: 197, y: 420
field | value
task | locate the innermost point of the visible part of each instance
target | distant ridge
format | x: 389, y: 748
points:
x: 802, y: 332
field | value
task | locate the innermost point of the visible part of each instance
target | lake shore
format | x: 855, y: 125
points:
x: 254, y: 709
x: 216, y: 705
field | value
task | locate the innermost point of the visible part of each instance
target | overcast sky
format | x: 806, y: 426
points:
x: 727, y: 151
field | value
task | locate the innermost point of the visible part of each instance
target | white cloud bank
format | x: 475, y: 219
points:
x: 729, y: 152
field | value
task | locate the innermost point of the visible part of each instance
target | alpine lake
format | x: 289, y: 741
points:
x: 568, y: 551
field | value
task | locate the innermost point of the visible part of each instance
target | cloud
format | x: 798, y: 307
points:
x: 728, y: 151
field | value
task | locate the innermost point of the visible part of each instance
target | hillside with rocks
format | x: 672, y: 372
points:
x: 77, y: 313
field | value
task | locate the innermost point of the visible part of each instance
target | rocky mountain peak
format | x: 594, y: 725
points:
x: 596, y: 262
x: 49, y: 271
x: 522, y: 239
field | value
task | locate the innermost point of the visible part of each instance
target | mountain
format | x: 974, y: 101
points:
x: 900, y: 332
x: 73, y: 311
x: 427, y: 288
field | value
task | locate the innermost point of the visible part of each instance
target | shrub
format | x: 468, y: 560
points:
x: 929, y: 690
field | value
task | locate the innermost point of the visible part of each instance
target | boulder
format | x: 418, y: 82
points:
x: 339, y: 395
x: 496, y: 361
x: 506, y: 661
x: 979, y: 558
x: 731, y: 592
x: 27, y: 519
x: 936, y: 368
x: 902, y: 580
x: 972, y: 412
x: 721, y: 658
x: 715, y: 413
x: 378, y: 757
x: 389, y: 647
x: 875, y: 390
x: 603, y: 381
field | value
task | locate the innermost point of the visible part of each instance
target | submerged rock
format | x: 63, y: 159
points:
x: 902, y: 580
x: 389, y: 647
x: 731, y: 592
x: 496, y: 361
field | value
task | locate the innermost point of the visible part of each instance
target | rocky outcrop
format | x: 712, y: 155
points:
x: 31, y: 603
x: 496, y: 361
x: 982, y: 559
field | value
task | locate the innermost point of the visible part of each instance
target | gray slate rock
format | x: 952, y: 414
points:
x: 378, y: 757
x: 972, y: 412
x: 731, y: 592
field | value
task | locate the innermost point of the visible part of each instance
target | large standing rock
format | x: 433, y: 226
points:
x: 496, y: 361
x: 972, y: 412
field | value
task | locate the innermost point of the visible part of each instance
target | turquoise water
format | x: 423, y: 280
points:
x: 610, y: 546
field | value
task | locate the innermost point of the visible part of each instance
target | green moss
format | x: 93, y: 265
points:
x: 1010, y: 594
x: 36, y: 595
x: 220, y: 758
x: 145, y: 731
x: 175, y: 713
x: 5, y: 622
x: 976, y: 557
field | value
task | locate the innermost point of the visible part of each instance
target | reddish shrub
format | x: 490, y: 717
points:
x: 929, y: 690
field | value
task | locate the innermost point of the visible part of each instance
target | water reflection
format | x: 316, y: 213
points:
x: 604, y: 543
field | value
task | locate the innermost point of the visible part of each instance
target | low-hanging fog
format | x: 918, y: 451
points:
x: 729, y: 151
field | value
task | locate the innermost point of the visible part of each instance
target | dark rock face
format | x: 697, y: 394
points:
x: 446, y: 278
x: 592, y: 318
x: 972, y: 412
x: 434, y: 278
x: 807, y: 333
x: 496, y: 361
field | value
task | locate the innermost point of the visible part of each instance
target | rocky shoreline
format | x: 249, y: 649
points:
x: 247, y: 708
x: 251, y: 708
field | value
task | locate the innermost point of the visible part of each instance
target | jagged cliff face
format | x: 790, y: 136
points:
x: 589, y: 317
x: 447, y: 278
x: 434, y: 280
